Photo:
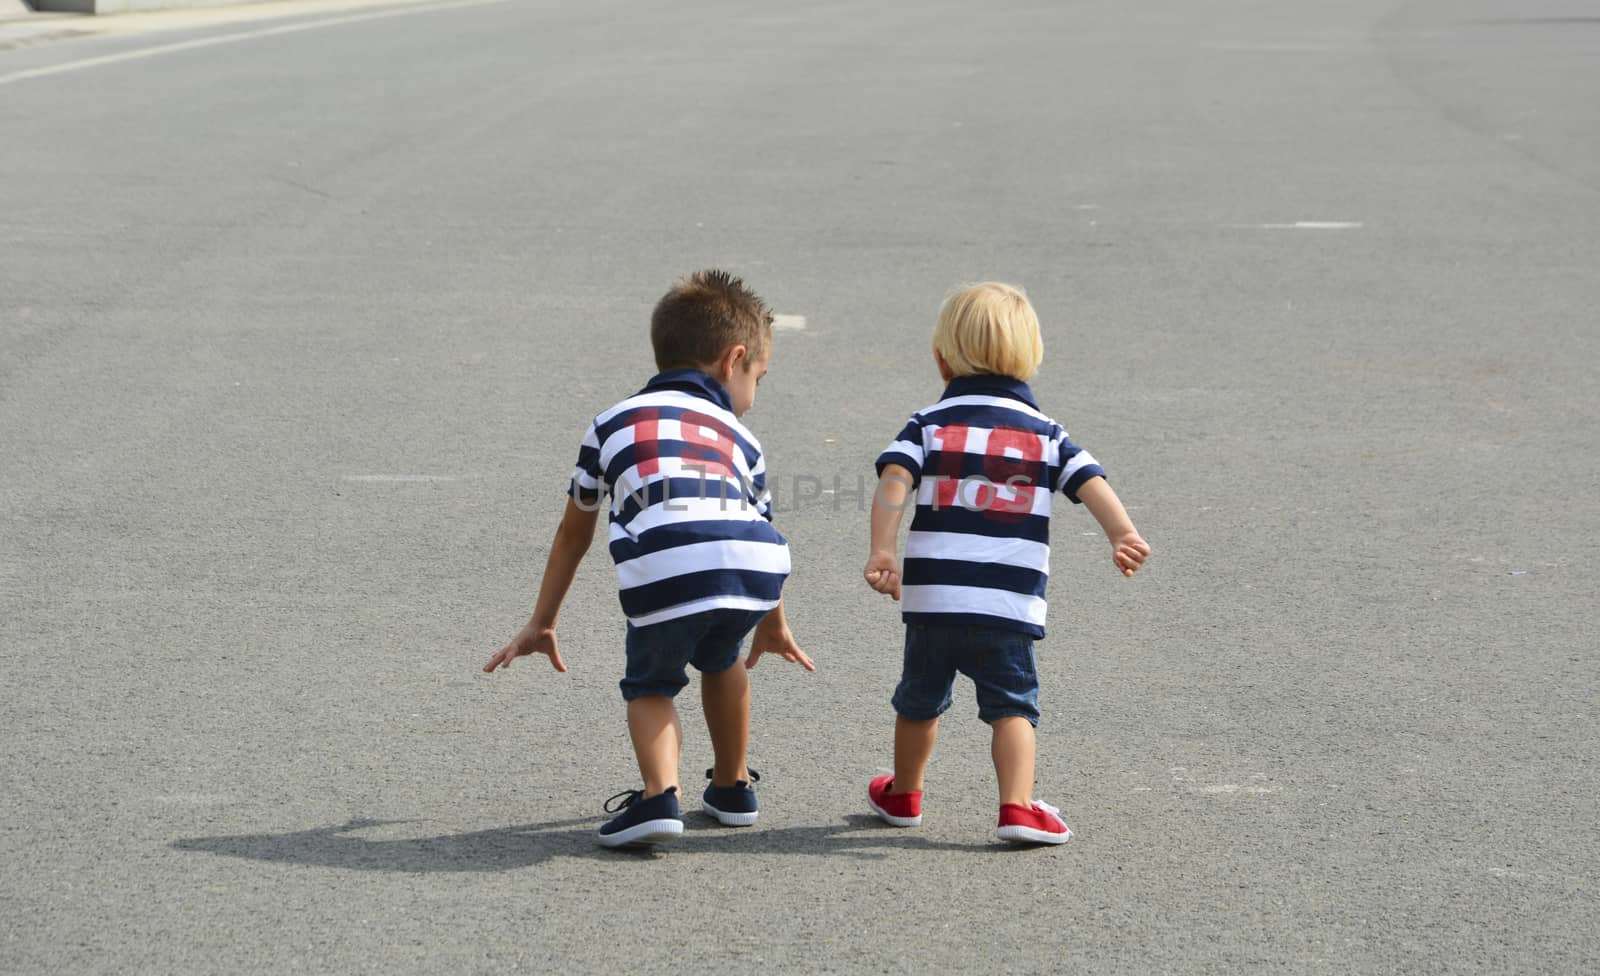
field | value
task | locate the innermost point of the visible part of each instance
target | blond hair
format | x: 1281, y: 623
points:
x: 989, y: 328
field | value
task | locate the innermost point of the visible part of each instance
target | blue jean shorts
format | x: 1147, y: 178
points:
x: 1000, y: 663
x: 658, y: 654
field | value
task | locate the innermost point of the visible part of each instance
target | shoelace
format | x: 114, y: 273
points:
x: 628, y: 798
x: 1052, y: 811
x: 755, y: 777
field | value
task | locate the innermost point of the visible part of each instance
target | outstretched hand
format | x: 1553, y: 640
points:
x: 772, y: 636
x: 1129, y: 552
x: 529, y: 640
x: 883, y: 573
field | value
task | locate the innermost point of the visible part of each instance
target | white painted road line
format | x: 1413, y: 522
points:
x: 398, y: 478
x: 149, y: 52
x: 1304, y: 225
x: 789, y: 323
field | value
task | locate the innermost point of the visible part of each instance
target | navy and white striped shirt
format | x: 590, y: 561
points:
x: 985, y: 465
x: 690, y: 512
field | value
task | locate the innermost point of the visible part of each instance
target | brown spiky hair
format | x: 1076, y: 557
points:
x: 704, y: 315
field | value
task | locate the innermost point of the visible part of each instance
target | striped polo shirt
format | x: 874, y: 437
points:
x: 690, y: 512
x: 985, y: 464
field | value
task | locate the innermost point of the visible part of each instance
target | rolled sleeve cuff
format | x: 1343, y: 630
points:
x: 903, y: 460
x: 1083, y: 474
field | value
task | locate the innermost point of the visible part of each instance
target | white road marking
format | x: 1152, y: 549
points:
x: 194, y: 799
x: 398, y: 478
x: 148, y: 52
x: 1305, y: 225
x: 788, y: 323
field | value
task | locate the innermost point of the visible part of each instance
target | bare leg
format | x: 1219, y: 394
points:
x: 913, y: 746
x: 725, y: 696
x: 1013, y: 750
x: 657, y: 741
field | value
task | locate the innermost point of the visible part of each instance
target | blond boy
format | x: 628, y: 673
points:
x: 699, y: 562
x: 984, y: 463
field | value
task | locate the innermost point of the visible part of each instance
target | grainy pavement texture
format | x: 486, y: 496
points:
x: 302, y: 316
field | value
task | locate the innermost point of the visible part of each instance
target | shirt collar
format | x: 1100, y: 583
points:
x: 989, y: 384
x: 692, y: 381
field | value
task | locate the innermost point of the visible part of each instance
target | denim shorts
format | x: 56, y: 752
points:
x: 659, y: 653
x: 1000, y: 662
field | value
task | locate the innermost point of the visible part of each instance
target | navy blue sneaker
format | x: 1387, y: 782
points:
x: 733, y: 806
x: 639, y: 821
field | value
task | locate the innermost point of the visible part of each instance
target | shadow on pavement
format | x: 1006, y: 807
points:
x: 509, y: 848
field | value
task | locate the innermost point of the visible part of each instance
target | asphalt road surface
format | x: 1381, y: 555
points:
x: 301, y: 321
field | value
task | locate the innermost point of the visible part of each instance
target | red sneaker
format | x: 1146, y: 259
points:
x: 1042, y: 824
x: 895, y: 809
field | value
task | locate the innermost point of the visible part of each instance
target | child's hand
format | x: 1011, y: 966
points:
x: 772, y: 636
x: 1129, y: 552
x: 883, y: 573
x: 529, y: 640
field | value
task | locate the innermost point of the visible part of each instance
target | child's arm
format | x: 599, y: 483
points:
x: 538, y: 635
x: 1128, y: 549
x: 772, y: 636
x: 888, y: 502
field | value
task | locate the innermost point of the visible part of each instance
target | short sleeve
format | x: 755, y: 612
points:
x: 906, y: 450
x: 587, y: 478
x: 759, y: 494
x: 1077, y: 467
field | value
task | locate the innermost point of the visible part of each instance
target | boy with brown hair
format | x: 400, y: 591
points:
x: 699, y: 563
